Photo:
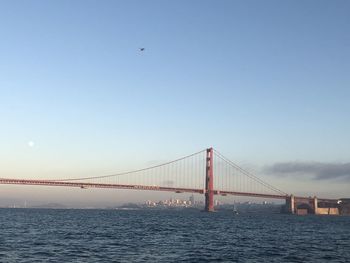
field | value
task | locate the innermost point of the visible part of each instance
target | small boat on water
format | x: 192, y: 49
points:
x: 234, y: 211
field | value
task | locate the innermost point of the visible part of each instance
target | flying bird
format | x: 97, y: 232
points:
x: 142, y: 49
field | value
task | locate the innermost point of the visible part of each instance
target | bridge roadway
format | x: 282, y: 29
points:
x: 143, y: 187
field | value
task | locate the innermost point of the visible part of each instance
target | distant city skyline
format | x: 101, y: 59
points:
x: 265, y: 83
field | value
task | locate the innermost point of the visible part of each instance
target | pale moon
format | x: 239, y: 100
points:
x: 31, y: 144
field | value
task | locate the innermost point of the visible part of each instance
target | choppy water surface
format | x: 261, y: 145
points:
x: 41, y: 235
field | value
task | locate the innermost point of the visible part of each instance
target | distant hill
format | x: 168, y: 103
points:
x: 50, y: 205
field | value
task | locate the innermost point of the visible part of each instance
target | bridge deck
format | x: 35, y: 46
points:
x: 143, y: 187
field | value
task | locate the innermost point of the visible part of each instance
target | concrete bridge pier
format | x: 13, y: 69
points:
x: 290, y: 204
x: 302, y: 205
x: 315, y: 205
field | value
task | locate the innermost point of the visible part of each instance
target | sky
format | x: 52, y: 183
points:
x: 266, y: 83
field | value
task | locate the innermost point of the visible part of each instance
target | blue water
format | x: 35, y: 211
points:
x: 44, y: 235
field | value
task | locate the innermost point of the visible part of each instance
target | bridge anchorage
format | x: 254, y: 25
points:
x: 206, y: 172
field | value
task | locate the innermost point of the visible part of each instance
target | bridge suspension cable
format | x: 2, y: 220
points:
x: 248, y: 174
x: 172, y: 170
x: 185, y: 174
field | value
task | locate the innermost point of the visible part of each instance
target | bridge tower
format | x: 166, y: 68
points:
x: 209, y: 182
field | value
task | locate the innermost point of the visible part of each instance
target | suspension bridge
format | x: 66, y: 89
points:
x: 206, y: 172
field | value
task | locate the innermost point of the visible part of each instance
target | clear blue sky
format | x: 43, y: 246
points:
x: 261, y: 81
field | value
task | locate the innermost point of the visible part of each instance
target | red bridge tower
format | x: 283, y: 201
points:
x: 209, y: 182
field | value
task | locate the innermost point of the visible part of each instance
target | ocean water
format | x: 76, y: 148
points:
x: 48, y: 235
